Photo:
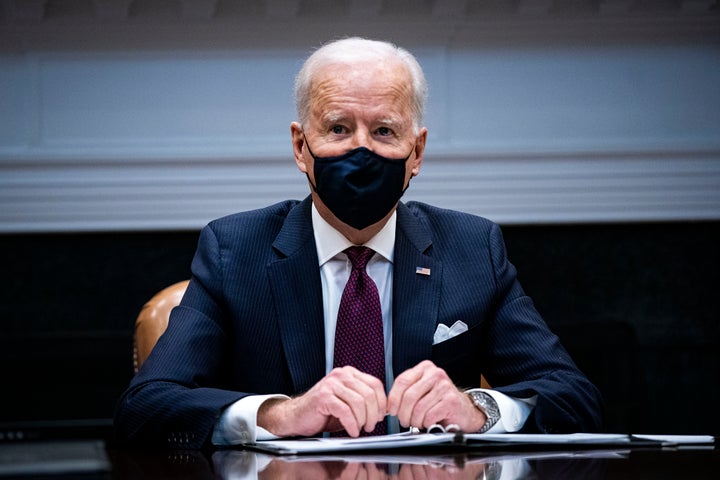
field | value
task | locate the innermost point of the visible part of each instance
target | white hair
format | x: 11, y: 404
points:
x: 356, y: 49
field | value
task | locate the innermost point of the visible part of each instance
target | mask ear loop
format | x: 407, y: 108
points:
x: 312, y: 184
x: 307, y: 144
x: 407, y: 186
x: 315, y: 160
x: 412, y: 175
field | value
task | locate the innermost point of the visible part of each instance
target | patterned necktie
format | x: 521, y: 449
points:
x: 359, y: 331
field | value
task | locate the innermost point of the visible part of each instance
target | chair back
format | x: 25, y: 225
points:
x: 153, y: 320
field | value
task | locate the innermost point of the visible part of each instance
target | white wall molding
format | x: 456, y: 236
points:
x: 171, y: 195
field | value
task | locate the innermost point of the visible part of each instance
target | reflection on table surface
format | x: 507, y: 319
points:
x: 576, y: 464
x: 241, y: 465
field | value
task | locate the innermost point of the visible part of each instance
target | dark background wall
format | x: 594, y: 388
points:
x: 634, y: 304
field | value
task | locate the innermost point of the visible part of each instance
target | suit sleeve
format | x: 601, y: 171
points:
x: 527, y: 359
x: 167, y: 403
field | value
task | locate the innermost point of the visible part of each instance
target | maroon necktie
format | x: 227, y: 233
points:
x: 359, y: 332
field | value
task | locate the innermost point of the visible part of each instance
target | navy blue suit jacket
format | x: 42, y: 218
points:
x: 251, y: 322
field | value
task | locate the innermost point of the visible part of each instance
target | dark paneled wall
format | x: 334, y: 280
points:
x: 634, y: 304
x: 67, y: 311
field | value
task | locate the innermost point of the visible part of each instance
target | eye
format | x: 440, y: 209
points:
x: 384, y: 131
x: 337, y: 129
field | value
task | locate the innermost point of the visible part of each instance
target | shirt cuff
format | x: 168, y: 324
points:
x: 238, y: 423
x: 513, y: 411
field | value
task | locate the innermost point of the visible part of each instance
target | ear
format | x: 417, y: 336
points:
x: 298, y: 142
x: 419, y: 152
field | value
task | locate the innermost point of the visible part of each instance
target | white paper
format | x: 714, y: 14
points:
x: 345, y: 444
x: 550, y: 438
x: 677, y: 439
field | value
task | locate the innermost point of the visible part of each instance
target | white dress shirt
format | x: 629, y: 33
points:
x: 238, y: 423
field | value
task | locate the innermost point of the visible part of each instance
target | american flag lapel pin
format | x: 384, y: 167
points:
x: 422, y: 271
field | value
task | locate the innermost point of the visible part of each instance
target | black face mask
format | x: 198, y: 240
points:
x: 359, y: 187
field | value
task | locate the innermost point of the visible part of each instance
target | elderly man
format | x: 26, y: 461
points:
x: 350, y: 310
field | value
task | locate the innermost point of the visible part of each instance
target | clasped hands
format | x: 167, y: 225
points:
x: 349, y: 399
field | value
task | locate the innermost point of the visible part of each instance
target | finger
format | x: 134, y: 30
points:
x: 438, y: 413
x: 336, y: 408
x: 364, y: 394
x: 430, y: 389
x: 446, y: 405
x: 339, y: 399
x: 371, y: 397
x: 420, y: 472
x: 433, y: 404
x: 374, y: 400
x: 409, y: 412
x: 373, y: 472
x: 402, y: 382
x: 352, y: 394
x: 351, y: 470
x: 377, y: 410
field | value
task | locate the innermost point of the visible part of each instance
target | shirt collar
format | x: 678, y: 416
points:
x: 329, y: 242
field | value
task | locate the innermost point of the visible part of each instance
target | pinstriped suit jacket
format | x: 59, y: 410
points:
x: 252, y: 322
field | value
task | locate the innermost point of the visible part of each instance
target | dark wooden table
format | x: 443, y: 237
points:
x: 93, y: 459
x: 638, y: 463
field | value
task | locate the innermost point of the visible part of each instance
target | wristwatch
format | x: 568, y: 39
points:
x: 489, y: 407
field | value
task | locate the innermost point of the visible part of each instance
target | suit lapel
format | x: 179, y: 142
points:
x: 295, y: 282
x: 416, y: 297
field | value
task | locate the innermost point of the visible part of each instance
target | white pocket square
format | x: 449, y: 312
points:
x: 444, y: 332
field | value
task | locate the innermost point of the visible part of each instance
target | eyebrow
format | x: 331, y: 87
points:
x: 334, y: 117
x: 392, y: 122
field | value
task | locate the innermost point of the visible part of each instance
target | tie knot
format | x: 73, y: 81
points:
x: 359, y: 256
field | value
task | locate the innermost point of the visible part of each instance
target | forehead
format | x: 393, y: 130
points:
x: 382, y: 87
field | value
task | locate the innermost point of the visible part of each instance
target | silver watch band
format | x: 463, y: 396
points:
x: 489, y: 407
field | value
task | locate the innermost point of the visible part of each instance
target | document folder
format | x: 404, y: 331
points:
x: 471, y: 440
